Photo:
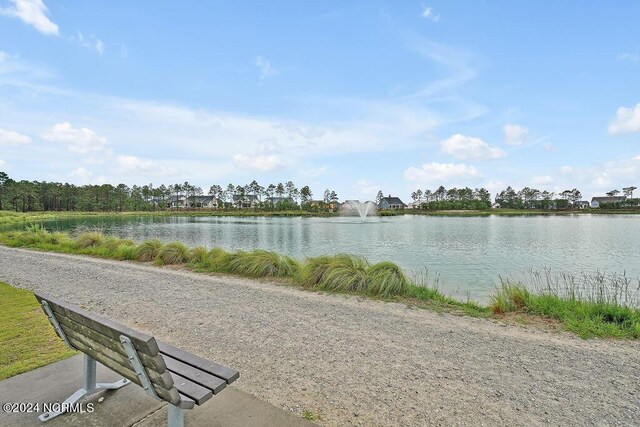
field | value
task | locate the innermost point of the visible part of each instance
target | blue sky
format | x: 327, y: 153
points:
x: 353, y: 96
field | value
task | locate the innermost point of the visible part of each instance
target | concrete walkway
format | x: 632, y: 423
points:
x: 130, y: 405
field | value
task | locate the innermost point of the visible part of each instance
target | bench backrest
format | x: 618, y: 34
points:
x: 100, y: 338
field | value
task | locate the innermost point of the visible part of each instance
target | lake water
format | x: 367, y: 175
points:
x: 468, y: 253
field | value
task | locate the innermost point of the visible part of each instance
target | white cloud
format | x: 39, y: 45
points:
x: 366, y: 190
x: 466, y: 147
x: 82, y: 176
x: 34, y: 13
x: 2, y: 163
x: 542, y: 180
x: 430, y: 15
x: 78, y: 140
x: 90, y: 42
x: 266, y: 70
x: 631, y: 57
x: 132, y: 164
x: 566, y: 170
x: 9, y: 137
x: 259, y: 163
x: 514, y: 134
x: 441, y: 173
x: 547, y: 146
x: 627, y: 120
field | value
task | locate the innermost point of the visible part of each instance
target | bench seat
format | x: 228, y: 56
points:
x: 168, y: 373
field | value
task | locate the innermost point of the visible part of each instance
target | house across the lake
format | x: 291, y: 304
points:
x: 245, y: 202
x: 275, y: 200
x: 595, y: 201
x: 391, y: 202
x: 203, y: 202
x: 177, y: 201
x: 581, y: 204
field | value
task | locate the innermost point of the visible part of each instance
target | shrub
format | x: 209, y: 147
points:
x: 148, y: 251
x: 198, y: 255
x: 342, y: 273
x: 173, y: 253
x: 89, y: 240
x: 217, y: 260
x: 261, y: 263
x: 386, y: 279
x: 113, y: 243
x: 313, y: 271
x: 125, y: 252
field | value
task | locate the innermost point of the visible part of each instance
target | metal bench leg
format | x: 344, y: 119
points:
x: 90, y: 387
x: 175, y: 416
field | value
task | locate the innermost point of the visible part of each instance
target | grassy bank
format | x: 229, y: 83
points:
x: 27, y: 340
x: 593, y: 313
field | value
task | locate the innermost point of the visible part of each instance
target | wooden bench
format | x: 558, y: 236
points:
x: 166, y: 373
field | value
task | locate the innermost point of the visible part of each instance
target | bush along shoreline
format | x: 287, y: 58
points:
x: 595, y: 314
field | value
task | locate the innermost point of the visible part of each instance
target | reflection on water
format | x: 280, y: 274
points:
x: 469, y: 253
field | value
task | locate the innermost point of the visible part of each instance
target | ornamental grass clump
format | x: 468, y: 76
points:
x: 386, y: 279
x: 173, y: 253
x: 125, y: 252
x: 148, y: 251
x: 340, y: 273
x: 198, y: 255
x: 261, y: 263
x: 89, y: 240
x: 314, y: 270
x: 112, y: 243
x: 217, y: 260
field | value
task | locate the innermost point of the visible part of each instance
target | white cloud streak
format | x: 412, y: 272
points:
x: 441, y: 173
x: 9, y: 137
x: 33, y: 13
x: 266, y: 70
x: 627, y: 120
x: 464, y: 147
x: 514, y: 134
x: 78, y: 140
x: 430, y: 15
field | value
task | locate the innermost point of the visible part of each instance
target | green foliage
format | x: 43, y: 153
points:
x: 217, y: 260
x: 148, y: 251
x: 125, y: 252
x: 584, y: 315
x: 198, y: 255
x: 260, y: 263
x: 339, y: 273
x: 89, y: 240
x: 386, y: 279
x: 173, y: 253
x: 27, y: 340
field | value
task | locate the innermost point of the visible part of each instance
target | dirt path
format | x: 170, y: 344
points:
x: 354, y: 361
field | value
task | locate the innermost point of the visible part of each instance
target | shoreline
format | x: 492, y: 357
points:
x: 7, y: 216
x: 598, y: 313
x: 317, y: 352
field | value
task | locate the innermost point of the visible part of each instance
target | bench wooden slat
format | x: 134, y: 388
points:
x: 205, y: 379
x: 142, y: 342
x: 186, y: 403
x: 171, y: 395
x: 190, y: 389
x: 163, y: 380
x: 227, y: 374
x: 155, y: 363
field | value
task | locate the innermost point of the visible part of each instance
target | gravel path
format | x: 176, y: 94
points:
x: 354, y: 361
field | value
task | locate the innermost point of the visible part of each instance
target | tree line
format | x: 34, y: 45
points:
x: 29, y: 196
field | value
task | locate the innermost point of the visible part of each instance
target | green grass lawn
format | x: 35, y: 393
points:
x: 27, y: 339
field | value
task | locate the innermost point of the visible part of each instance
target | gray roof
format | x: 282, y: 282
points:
x: 608, y: 199
x: 201, y: 199
x: 246, y: 197
x: 392, y: 200
x: 280, y: 199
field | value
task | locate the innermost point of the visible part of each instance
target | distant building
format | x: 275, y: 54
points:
x: 203, y: 202
x: 391, y: 203
x: 246, y: 201
x: 581, y: 204
x: 595, y: 201
x: 177, y: 201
